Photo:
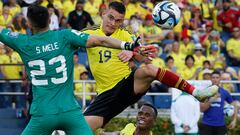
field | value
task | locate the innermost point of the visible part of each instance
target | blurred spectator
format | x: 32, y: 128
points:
x: 237, y: 2
x: 228, y: 19
x: 186, y: 46
x: 63, y: 23
x: 198, y: 55
x: 196, y: 21
x: 214, y: 38
x: 217, y: 60
x: 216, y: 9
x: 195, y: 2
x: 78, y: 68
x: 167, y: 41
x: 213, y: 122
x: 185, y: 113
x: 14, y: 8
x: 233, y: 47
x: 98, y: 17
x: 13, y: 72
x: 89, y: 87
x: 54, y: 23
x: 3, y: 59
x: 19, y: 24
x: 206, y: 69
x: 177, y: 55
x: 57, y: 4
x: 146, y: 118
x: 150, y: 32
x: 225, y: 76
x: 233, y: 72
x: 92, y: 7
x: 186, y: 15
x: 132, y: 8
x: 68, y: 6
x: 145, y: 7
x: 134, y: 24
x: 206, y: 8
x: 5, y: 16
x: 189, y: 71
x: 79, y: 18
x: 205, y: 33
x: 207, y: 74
x: 170, y: 65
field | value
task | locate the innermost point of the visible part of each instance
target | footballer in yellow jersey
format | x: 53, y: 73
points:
x: 118, y: 86
x: 101, y: 60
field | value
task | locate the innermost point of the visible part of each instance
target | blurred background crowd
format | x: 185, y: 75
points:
x: 207, y: 38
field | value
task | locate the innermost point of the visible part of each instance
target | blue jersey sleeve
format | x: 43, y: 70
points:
x: 77, y: 38
x: 229, y: 98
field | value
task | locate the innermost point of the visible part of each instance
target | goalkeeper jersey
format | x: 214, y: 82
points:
x: 48, y: 58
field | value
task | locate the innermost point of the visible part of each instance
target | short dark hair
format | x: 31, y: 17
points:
x: 80, y: 1
x: 206, y: 62
x: 38, y: 16
x: 118, y: 6
x: 216, y: 72
x: 189, y: 56
x: 169, y: 58
x: 153, y: 107
x: 50, y: 5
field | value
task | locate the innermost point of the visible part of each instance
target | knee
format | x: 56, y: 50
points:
x: 150, y: 70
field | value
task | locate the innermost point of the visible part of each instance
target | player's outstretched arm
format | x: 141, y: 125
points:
x: 95, y: 40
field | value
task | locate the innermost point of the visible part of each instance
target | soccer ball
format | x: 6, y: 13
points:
x: 228, y: 110
x: 166, y: 14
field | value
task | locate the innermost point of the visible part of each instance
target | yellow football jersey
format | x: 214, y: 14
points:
x: 199, y: 60
x: 78, y: 69
x: 89, y: 88
x: 106, y: 67
x: 129, y: 130
x: 12, y: 71
x: 5, y: 21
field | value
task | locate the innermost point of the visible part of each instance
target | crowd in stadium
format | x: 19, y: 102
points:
x: 205, y: 39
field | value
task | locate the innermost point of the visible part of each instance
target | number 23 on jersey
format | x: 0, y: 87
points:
x: 42, y: 71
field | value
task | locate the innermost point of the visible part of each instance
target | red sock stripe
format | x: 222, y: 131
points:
x: 173, y: 80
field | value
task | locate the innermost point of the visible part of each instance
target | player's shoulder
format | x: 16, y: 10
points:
x: 67, y: 32
x: 130, y: 125
x: 11, y: 33
x: 91, y: 28
x: 128, y: 129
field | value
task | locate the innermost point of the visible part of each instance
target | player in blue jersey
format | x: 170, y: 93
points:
x: 48, y: 59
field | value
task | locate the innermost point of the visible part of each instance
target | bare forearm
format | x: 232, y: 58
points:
x: 204, y: 106
x: 110, y: 42
x: 235, y: 110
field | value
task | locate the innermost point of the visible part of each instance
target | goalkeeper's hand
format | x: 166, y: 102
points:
x: 148, y: 51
